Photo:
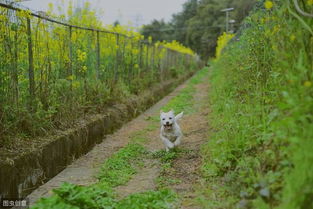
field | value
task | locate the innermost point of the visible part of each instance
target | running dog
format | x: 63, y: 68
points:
x: 170, y: 131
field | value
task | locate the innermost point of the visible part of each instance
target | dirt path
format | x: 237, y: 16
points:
x: 185, y: 169
x: 184, y: 173
x: 83, y: 171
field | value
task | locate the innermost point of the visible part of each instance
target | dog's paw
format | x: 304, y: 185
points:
x: 171, y: 145
x: 176, y: 143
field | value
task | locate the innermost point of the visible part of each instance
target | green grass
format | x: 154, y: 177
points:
x: 74, y: 196
x: 183, y: 102
x: 119, y: 168
x: 165, y: 179
x: 162, y: 199
x: 140, y: 137
x: 98, y: 196
x: 115, y: 171
x: 262, y: 100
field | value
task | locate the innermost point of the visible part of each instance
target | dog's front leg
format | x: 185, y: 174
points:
x: 168, y: 144
x: 177, y: 141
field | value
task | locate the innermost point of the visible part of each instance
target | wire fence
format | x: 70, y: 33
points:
x: 46, y: 63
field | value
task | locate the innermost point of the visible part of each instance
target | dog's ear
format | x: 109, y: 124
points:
x: 179, y: 116
x: 172, y: 111
x: 161, y: 111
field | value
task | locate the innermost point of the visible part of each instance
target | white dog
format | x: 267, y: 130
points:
x: 170, y: 131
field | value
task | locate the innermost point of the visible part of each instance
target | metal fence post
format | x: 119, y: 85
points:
x: 140, y: 54
x: 31, y: 64
x: 147, y: 56
x: 116, y: 58
x: 98, y: 54
x: 123, y: 59
x: 153, y: 57
x: 167, y: 59
x: 70, y: 73
x: 15, y: 72
x: 131, y: 60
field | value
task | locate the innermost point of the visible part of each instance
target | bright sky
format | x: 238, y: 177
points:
x: 137, y: 12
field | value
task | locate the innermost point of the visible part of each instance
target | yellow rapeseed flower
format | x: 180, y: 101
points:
x: 70, y: 78
x: 222, y: 43
x: 81, y: 56
x: 307, y: 84
x: 292, y: 37
x: 76, y: 84
x: 135, y: 51
x: 276, y: 29
x: 268, y: 5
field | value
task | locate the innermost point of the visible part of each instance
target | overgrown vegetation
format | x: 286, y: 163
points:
x: 52, y: 75
x: 260, y: 152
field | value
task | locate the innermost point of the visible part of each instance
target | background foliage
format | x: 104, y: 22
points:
x: 199, y: 24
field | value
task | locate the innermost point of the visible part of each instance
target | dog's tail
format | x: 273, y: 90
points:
x: 179, y: 116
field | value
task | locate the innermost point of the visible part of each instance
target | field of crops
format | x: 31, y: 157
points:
x: 51, y: 65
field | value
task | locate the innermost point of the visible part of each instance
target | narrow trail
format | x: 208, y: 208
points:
x: 184, y: 172
x: 185, y: 169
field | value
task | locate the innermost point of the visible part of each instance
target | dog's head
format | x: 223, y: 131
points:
x: 169, y: 118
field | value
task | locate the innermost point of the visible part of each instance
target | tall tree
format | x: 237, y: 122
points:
x: 199, y: 24
x: 158, y: 30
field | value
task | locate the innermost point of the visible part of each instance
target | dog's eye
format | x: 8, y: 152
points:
x: 163, y: 119
x: 170, y: 118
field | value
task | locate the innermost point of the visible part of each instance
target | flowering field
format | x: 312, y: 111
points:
x: 53, y: 64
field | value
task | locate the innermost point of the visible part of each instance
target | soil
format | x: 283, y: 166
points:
x: 185, y: 168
